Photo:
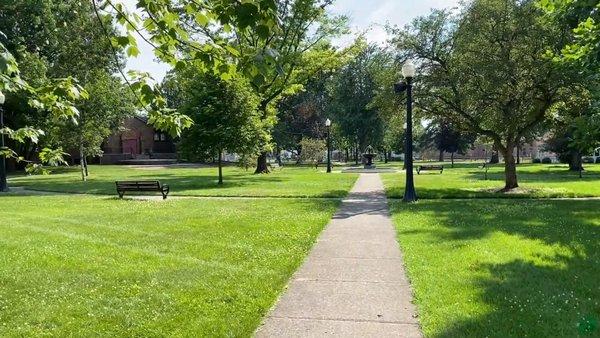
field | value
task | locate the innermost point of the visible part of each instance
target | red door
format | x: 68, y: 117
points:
x: 131, y: 147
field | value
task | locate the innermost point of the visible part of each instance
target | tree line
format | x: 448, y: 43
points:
x: 260, y: 76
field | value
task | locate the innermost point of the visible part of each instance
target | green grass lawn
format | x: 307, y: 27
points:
x: 467, y: 181
x: 504, y: 268
x: 288, y: 182
x: 99, y: 266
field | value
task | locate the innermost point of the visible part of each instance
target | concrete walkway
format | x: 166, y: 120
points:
x: 353, y: 283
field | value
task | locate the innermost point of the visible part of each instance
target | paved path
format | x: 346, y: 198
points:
x: 353, y: 282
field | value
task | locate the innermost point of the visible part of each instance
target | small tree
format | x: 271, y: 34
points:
x: 225, y: 115
x: 447, y: 138
x: 109, y: 103
x: 393, y: 137
x: 313, y: 151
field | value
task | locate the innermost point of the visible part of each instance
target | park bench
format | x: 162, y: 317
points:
x: 275, y: 166
x: 141, y: 186
x: 484, y: 167
x: 439, y: 168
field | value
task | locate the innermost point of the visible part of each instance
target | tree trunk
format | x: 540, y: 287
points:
x: 347, y: 155
x: 85, y: 165
x: 278, y: 157
x: 518, y: 154
x: 385, y: 156
x: 220, y: 167
x: 495, y: 158
x: 441, y: 156
x: 452, y: 159
x: 575, y: 161
x: 510, y: 170
x: 261, y: 164
x: 81, y: 163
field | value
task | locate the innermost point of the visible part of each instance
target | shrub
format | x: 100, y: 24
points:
x: 313, y: 150
x: 536, y: 160
x: 587, y: 159
x: 598, y: 160
x: 247, y: 160
x: 547, y: 160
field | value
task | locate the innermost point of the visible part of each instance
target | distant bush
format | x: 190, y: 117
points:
x: 546, y: 160
x: 247, y: 160
x: 598, y: 160
x: 536, y: 160
x: 587, y: 159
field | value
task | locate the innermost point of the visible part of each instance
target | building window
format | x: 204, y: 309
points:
x: 163, y: 137
x: 156, y: 136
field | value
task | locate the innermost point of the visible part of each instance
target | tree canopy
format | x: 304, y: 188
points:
x: 487, y: 69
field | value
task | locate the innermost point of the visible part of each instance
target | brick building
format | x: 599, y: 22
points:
x: 137, y: 140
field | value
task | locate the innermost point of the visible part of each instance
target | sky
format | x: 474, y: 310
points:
x: 366, y: 15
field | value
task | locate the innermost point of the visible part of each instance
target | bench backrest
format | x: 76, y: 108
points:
x: 138, y: 185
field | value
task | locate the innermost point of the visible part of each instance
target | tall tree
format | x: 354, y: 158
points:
x: 55, y: 97
x: 488, y: 70
x: 574, y: 127
x: 54, y: 33
x: 278, y: 44
x: 303, y: 114
x: 299, y: 49
x: 353, y: 89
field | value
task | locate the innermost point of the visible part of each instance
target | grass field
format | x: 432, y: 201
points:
x: 521, y: 268
x: 467, y: 181
x: 288, y: 182
x: 99, y: 266
x: 95, y: 265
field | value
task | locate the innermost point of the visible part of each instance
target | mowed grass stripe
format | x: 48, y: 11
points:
x: 184, y: 267
x: 100, y: 234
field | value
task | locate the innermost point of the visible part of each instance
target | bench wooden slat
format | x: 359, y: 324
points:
x: 128, y: 186
x: 439, y: 168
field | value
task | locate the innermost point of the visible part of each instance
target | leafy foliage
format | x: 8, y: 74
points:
x: 313, y: 150
x: 225, y: 115
x: 353, y: 89
x: 57, y: 98
x: 109, y: 103
x: 487, y: 70
x: 583, y: 19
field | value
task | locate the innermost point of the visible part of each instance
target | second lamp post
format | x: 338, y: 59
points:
x: 408, y: 71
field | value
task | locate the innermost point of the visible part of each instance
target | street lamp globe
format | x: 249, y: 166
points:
x: 409, y: 69
x: 2, y: 98
x: 328, y: 123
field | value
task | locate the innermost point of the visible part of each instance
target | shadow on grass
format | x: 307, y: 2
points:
x: 551, y: 293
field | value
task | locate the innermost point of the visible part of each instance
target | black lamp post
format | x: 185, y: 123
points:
x: 328, y: 125
x: 3, y: 183
x: 408, y: 71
